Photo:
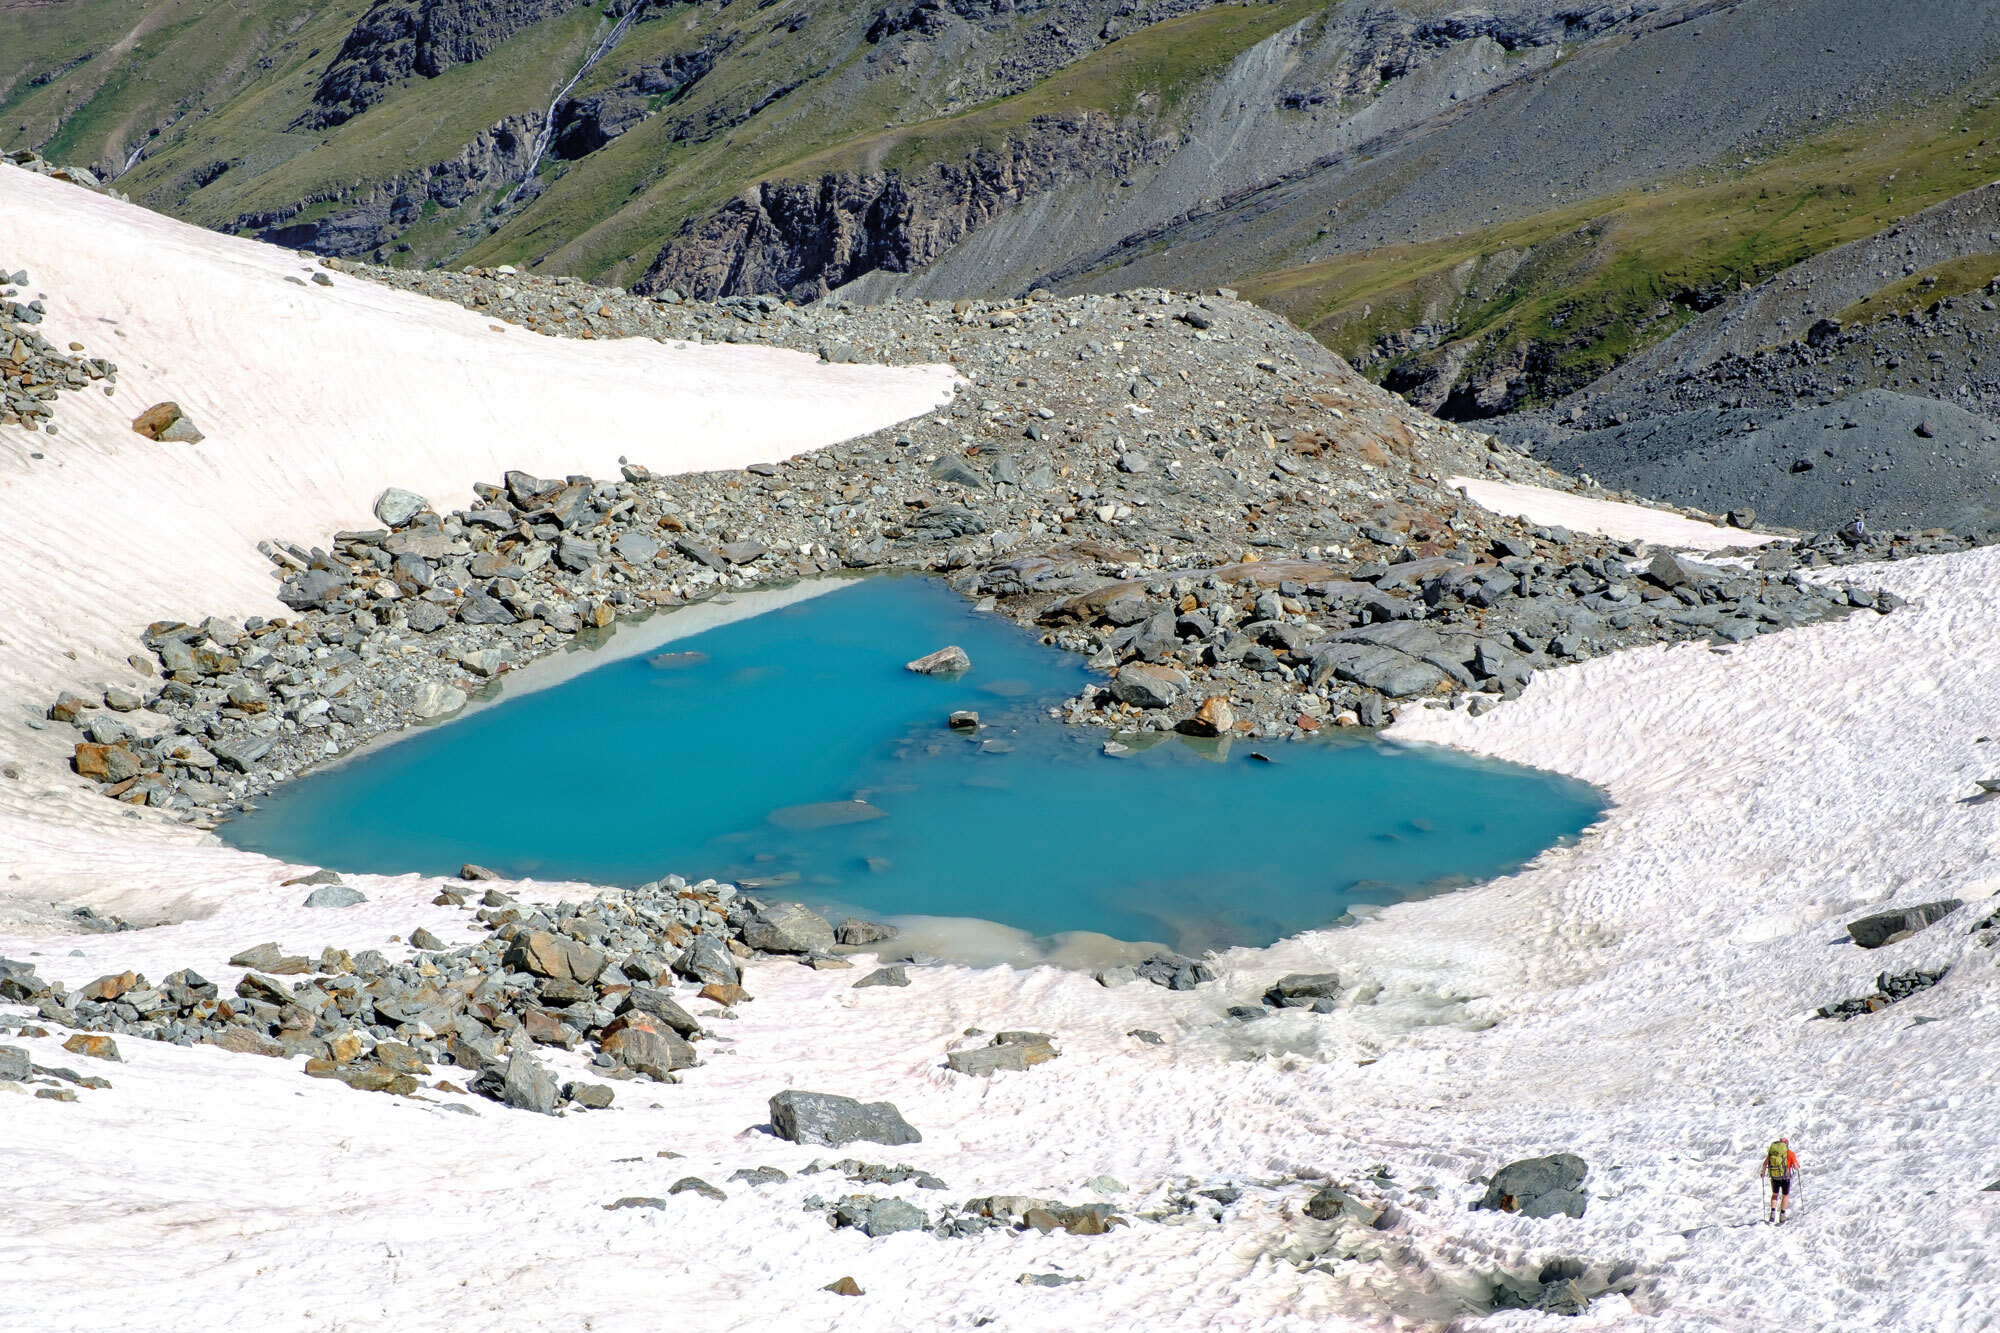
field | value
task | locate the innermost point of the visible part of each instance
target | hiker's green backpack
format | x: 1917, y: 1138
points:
x: 1775, y: 1158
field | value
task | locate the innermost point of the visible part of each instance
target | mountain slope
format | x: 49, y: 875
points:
x: 1486, y: 208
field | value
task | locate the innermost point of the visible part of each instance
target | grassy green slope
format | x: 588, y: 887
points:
x: 1608, y: 276
x: 610, y: 213
x: 149, y: 63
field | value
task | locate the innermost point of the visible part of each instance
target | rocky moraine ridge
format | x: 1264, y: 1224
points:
x: 1243, y: 535
x: 34, y: 372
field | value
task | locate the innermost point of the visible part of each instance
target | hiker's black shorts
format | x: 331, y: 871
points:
x: 1782, y: 1185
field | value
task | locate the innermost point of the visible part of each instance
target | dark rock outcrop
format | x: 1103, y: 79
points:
x: 375, y: 217
x: 803, y: 238
x: 400, y: 39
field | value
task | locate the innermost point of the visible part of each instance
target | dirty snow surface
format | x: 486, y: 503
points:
x: 1641, y: 999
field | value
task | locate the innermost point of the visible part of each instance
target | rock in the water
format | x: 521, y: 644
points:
x: 788, y: 928
x: 1872, y: 932
x: 963, y: 719
x: 167, y: 422
x: 396, y: 507
x: 335, y: 895
x: 437, y: 699
x: 833, y: 1121
x: 950, y: 661
x: 471, y: 871
x: 1539, y: 1186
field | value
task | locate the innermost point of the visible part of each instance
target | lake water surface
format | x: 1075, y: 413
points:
x: 741, y: 751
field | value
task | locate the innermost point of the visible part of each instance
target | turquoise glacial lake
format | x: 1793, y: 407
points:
x: 740, y: 751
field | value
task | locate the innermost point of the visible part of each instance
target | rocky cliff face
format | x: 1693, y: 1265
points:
x: 372, y: 218
x: 400, y: 39
x: 586, y: 124
x: 802, y: 239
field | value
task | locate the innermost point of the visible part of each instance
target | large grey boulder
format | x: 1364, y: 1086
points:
x: 1148, y: 686
x: 662, y: 1006
x: 788, y: 928
x: 833, y: 1121
x: 1539, y: 1186
x: 1390, y: 672
x: 1303, y: 990
x: 241, y: 752
x: 395, y: 506
x: 14, y: 1064
x: 311, y: 590
x: 435, y: 699
x: 335, y: 895
x: 527, y: 1086
x: 708, y: 961
x: 1872, y: 932
x: 636, y: 547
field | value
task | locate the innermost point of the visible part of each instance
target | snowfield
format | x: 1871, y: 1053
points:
x: 1641, y: 999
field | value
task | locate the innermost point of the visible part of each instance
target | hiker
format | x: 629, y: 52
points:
x: 1781, y: 1164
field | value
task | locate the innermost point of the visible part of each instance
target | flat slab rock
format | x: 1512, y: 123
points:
x: 1872, y: 932
x: 833, y: 1121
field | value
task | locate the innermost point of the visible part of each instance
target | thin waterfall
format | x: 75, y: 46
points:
x: 549, y: 121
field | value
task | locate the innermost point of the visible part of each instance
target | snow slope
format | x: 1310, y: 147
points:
x: 1628, y: 522
x: 313, y: 399
x: 1639, y: 998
